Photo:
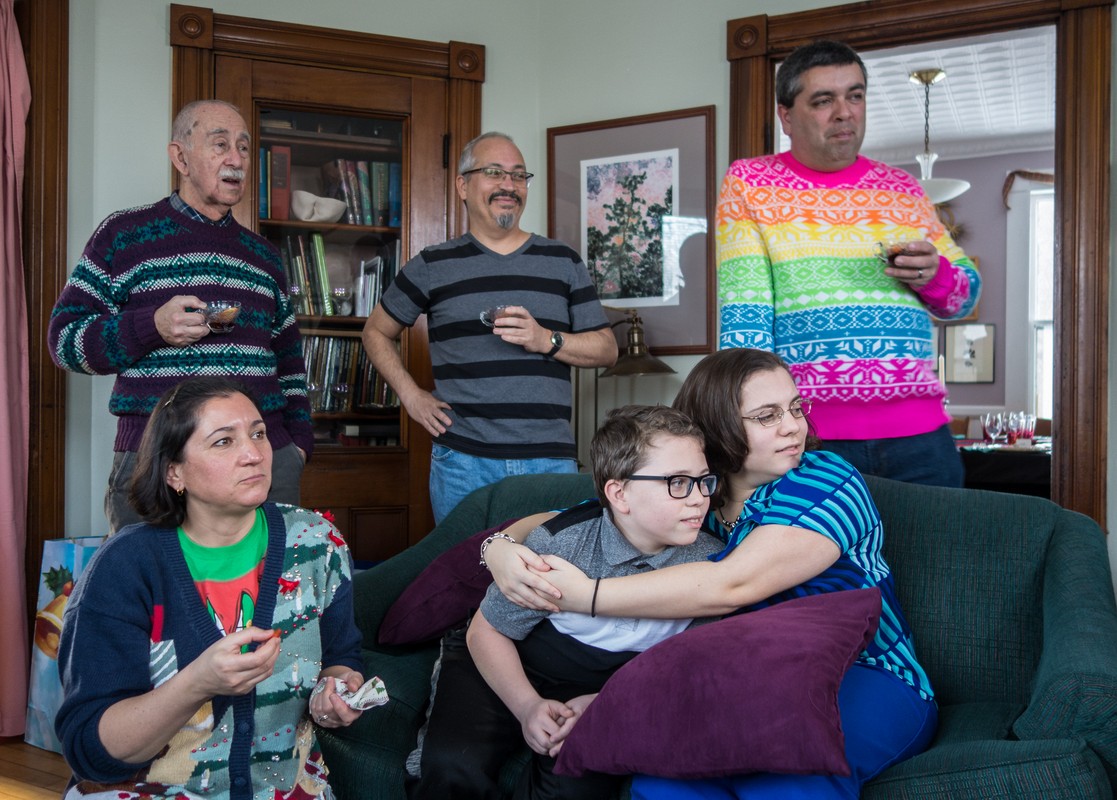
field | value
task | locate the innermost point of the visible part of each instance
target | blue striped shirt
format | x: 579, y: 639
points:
x: 825, y: 494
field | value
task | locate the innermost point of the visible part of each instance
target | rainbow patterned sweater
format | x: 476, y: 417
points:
x: 797, y: 275
x: 137, y: 260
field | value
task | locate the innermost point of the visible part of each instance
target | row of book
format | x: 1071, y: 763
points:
x: 374, y: 276
x: 371, y: 190
x: 314, y: 293
x: 275, y: 182
x: 308, y: 280
x: 340, y: 379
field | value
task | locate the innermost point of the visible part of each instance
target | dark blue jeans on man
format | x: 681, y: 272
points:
x: 928, y: 458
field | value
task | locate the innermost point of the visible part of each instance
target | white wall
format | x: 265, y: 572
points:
x: 548, y: 64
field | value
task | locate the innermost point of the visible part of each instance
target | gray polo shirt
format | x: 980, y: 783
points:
x: 586, y: 537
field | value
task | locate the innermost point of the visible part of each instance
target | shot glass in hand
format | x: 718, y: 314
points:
x: 887, y: 250
x: 490, y: 315
x: 221, y: 315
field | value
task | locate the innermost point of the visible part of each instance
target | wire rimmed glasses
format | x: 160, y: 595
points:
x: 774, y: 416
x: 497, y: 174
x: 680, y: 486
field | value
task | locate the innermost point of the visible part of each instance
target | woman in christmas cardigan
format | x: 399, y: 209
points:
x: 193, y: 641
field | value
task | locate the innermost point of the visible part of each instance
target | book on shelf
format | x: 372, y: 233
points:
x: 262, y: 172
x: 340, y: 378
x: 364, y: 181
x: 279, y: 171
x: 395, y: 194
x: 380, y: 179
x: 321, y: 273
x: 342, y: 171
x: 354, y: 191
x: 368, y: 286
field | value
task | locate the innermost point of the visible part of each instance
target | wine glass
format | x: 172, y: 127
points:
x: 993, y: 423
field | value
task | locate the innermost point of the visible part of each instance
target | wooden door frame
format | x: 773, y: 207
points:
x: 44, y: 27
x: 198, y: 37
x: 1082, y: 176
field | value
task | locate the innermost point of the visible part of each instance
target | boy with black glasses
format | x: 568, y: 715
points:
x: 528, y: 675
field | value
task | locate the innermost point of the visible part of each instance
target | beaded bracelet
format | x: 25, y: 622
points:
x: 489, y: 540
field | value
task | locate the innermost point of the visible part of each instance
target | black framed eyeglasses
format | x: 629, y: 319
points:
x: 680, y: 486
x: 775, y: 416
x: 497, y: 174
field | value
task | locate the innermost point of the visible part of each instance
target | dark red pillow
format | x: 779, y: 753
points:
x: 757, y: 692
x: 442, y: 596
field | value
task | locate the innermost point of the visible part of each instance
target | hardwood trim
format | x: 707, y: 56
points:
x: 1082, y: 172
x: 211, y: 50
x: 44, y: 26
x: 307, y: 44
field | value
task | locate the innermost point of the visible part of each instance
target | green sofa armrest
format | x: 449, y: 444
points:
x: 1075, y: 690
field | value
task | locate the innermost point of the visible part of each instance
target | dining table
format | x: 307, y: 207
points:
x: 1019, y: 468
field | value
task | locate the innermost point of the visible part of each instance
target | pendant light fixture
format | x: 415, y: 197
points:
x: 939, y: 190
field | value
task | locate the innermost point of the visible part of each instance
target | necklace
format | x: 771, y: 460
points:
x: 731, y: 525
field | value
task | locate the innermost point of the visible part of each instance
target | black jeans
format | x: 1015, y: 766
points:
x: 471, y: 734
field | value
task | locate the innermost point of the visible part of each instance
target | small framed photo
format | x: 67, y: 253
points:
x: 969, y: 353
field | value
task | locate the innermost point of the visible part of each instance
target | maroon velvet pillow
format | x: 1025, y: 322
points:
x: 757, y: 692
x: 442, y: 596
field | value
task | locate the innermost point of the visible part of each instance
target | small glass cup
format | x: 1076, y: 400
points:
x: 490, y: 316
x: 298, y: 297
x: 342, y: 297
x: 221, y: 315
x: 1014, y: 426
x: 887, y: 250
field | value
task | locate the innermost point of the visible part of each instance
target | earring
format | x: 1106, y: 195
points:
x: 181, y: 492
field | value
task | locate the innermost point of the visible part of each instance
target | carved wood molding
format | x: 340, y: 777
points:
x: 1081, y: 427
x: 196, y: 27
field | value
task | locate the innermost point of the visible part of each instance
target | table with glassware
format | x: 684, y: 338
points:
x: 1018, y: 468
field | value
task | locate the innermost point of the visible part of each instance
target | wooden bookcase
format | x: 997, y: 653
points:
x: 320, y: 98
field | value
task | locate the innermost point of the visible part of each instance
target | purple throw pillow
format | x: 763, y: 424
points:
x: 756, y: 692
x: 442, y: 595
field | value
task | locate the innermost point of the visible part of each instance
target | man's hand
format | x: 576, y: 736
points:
x: 517, y: 326
x: 427, y: 410
x: 916, y: 265
x: 178, y: 326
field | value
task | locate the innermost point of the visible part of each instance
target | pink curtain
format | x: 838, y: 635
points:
x: 15, y: 99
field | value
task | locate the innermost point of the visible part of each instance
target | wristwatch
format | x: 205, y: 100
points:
x: 556, y: 343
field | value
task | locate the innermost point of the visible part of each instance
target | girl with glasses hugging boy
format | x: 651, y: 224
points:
x: 795, y: 521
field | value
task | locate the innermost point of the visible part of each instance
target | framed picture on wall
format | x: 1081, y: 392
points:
x: 635, y: 196
x: 969, y: 353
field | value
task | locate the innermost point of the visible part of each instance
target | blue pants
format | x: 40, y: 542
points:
x: 927, y: 458
x: 884, y: 721
x: 455, y: 474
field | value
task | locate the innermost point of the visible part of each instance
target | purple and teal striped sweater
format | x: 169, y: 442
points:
x: 137, y: 260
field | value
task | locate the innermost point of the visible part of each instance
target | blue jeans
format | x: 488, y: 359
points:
x: 927, y: 458
x: 884, y: 721
x: 455, y: 474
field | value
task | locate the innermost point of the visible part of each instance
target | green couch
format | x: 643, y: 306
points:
x: 1010, y: 598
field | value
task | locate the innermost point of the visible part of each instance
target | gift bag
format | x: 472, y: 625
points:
x: 63, y: 562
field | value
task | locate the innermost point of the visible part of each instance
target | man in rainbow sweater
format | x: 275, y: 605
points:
x: 798, y: 274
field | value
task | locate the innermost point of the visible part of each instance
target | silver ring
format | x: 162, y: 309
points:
x: 324, y: 717
x: 919, y: 275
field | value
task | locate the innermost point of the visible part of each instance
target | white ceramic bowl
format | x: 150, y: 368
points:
x: 312, y: 208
